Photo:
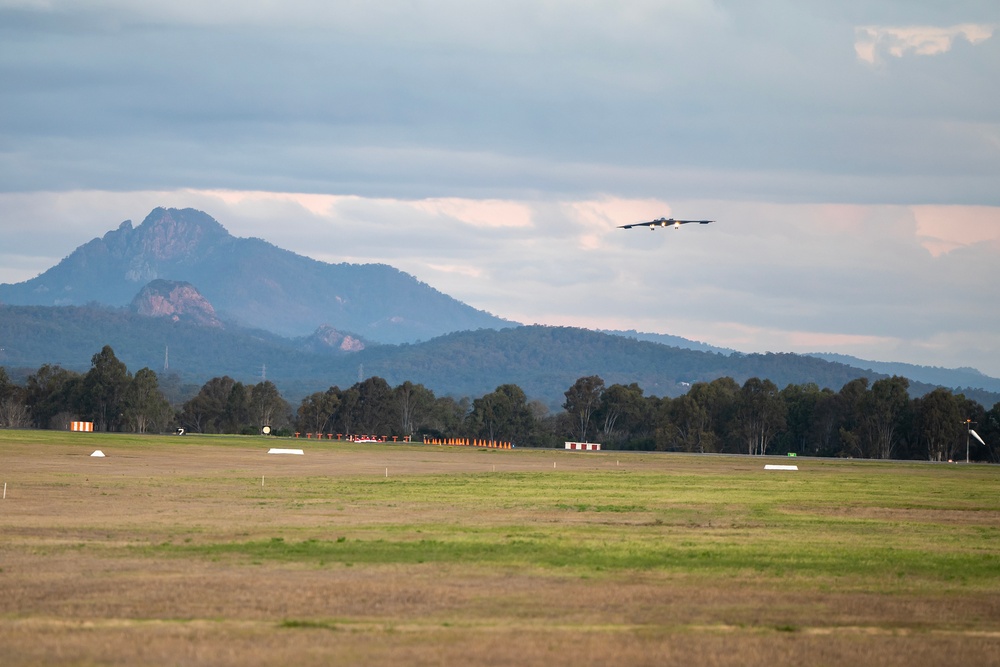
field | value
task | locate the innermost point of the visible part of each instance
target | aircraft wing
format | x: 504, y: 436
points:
x: 664, y: 222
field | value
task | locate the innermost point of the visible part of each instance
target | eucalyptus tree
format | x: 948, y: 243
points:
x: 344, y: 420
x: 622, y: 413
x: 989, y: 430
x: 938, y: 424
x: 803, y: 427
x: 145, y: 408
x: 414, y: 405
x: 686, y: 427
x: 14, y: 411
x: 760, y: 414
x: 267, y: 407
x: 236, y: 414
x: 50, y: 391
x: 316, y: 411
x: 849, y: 415
x: 718, y: 398
x: 582, y: 400
x: 884, y: 410
x: 503, y: 414
x: 206, y: 412
x: 448, y: 416
x: 103, y: 390
x: 373, y: 411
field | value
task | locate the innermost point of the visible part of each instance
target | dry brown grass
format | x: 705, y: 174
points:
x: 78, y: 586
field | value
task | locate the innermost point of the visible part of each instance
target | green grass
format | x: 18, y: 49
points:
x: 884, y: 527
x: 726, y: 557
x: 869, y: 525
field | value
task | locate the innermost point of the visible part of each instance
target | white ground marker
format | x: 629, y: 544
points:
x: 777, y: 467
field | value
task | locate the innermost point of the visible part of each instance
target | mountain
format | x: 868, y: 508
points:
x: 249, y: 282
x: 544, y: 361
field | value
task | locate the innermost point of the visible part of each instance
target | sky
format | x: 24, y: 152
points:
x: 848, y: 151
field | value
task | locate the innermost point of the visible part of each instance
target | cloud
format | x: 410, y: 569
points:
x: 492, y: 150
x: 444, y: 99
x: 873, y: 42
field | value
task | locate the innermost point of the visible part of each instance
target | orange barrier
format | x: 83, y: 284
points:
x: 86, y: 427
x: 467, y: 442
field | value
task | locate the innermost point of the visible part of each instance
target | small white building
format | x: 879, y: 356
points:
x: 584, y: 446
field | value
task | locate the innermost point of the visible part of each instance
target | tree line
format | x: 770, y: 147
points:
x: 877, y: 420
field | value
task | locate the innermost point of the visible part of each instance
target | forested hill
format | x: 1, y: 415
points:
x: 542, y: 358
x: 543, y: 361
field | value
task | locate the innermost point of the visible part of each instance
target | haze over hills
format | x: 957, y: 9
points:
x: 223, y: 305
x: 543, y: 361
x: 935, y: 375
x: 249, y: 282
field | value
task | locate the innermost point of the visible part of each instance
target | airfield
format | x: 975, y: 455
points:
x: 200, y: 550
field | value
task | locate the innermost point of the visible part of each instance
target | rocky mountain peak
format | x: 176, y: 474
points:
x: 180, y: 301
x: 327, y: 338
x: 170, y: 234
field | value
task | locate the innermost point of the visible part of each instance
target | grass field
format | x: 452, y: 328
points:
x: 208, y: 551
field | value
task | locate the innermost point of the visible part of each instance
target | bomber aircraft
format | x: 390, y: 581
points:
x: 664, y: 222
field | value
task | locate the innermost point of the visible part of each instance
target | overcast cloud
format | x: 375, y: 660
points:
x: 849, y: 151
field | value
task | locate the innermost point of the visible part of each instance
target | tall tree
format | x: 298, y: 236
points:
x: 800, y: 401
x: 760, y: 414
x: 989, y: 429
x: 448, y: 416
x: 316, y: 412
x: 345, y: 418
x: 850, y: 419
x: 51, y: 391
x: 14, y: 411
x: 718, y: 398
x: 884, y: 409
x: 414, y: 403
x: 145, y: 408
x: 622, y: 413
x: 582, y: 400
x: 503, y: 414
x: 686, y: 427
x: 235, y: 416
x: 104, y: 388
x: 267, y: 407
x: 206, y: 411
x: 938, y: 424
x: 374, y: 408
